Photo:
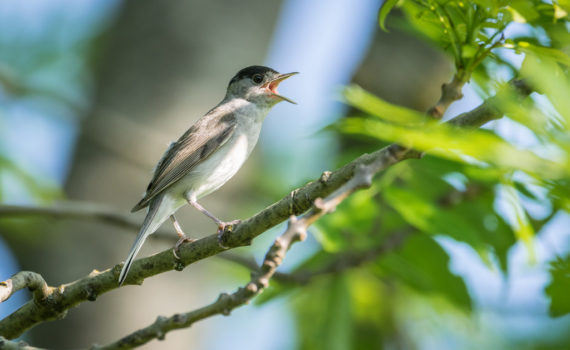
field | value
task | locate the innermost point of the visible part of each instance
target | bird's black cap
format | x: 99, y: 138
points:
x: 248, y: 72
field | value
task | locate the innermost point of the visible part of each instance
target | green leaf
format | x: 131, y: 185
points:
x: 559, y: 192
x: 353, y: 224
x: 562, y: 8
x: 541, y: 51
x: 523, y: 10
x: 522, y: 188
x: 432, y: 205
x: 324, y: 315
x: 41, y: 189
x: 423, y: 265
x: 549, y: 79
x: 384, y: 11
x: 462, y: 145
x: 520, y: 223
x: 559, y: 287
x: 367, y: 102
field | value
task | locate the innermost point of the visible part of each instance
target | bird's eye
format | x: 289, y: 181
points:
x: 257, y: 78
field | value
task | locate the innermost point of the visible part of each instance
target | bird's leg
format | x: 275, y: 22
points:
x: 204, y: 211
x: 222, y: 225
x: 181, y: 236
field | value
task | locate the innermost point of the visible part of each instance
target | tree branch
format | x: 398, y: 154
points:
x: 450, y: 92
x: 71, y: 210
x: 296, y: 231
x: 297, y: 202
x: 25, y: 279
x: 90, y: 211
x: 100, y: 213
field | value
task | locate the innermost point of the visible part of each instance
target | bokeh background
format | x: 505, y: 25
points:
x: 91, y: 93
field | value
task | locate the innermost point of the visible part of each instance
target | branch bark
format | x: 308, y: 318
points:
x: 296, y: 231
x: 296, y: 203
x: 25, y: 279
x: 100, y: 213
x: 450, y: 92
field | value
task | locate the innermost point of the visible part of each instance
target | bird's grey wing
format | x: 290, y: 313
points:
x: 198, y: 143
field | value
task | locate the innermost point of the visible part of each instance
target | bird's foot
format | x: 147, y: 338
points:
x: 224, y: 227
x: 181, y: 240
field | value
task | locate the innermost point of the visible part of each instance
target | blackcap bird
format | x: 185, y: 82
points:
x: 208, y: 154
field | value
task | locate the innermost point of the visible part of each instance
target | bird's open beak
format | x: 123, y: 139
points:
x: 272, y: 86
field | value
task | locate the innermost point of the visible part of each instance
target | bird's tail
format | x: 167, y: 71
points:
x: 151, y: 223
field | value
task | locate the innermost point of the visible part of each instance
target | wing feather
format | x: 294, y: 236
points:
x: 204, y: 137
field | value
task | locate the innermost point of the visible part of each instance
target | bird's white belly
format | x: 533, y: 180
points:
x: 217, y: 169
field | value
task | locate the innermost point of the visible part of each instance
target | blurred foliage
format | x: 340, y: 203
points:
x: 559, y: 287
x: 475, y: 186
x: 426, y: 272
x: 43, y: 74
x: 423, y: 196
x: 41, y: 191
x: 46, y: 71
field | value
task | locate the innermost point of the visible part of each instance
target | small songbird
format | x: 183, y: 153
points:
x: 208, y: 154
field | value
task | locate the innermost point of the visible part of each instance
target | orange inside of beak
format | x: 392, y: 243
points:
x: 272, y: 86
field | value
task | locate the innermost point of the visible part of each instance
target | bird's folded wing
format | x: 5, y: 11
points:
x: 198, y: 143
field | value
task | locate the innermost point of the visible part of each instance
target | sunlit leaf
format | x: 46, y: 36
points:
x: 547, y: 77
x: 461, y: 145
x: 545, y: 52
x: 384, y: 11
x: 561, y: 8
x: 519, y: 220
x: 367, y: 102
x: 523, y: 11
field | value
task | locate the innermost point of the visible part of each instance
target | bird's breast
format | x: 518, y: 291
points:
x: 224, y: 163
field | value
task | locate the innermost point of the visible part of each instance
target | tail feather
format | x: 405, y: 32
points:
x: 150, y: 224
x: 141, y: 204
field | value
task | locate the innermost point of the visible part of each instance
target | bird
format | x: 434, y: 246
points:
x: 208, y: 154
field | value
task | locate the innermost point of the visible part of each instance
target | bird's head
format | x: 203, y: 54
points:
x: 258, y: 84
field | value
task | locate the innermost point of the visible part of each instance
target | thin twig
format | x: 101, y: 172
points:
x: 25, y: 279
x: 71, y: 210
x: 344, y: 261
x: 450, y: 92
